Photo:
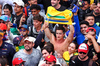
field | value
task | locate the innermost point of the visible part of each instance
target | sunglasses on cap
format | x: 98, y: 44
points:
x: 82, y: 53
x: 22, y: 30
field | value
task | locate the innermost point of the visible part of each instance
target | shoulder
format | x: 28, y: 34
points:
x: 7, y: 44
x: 36, y: 51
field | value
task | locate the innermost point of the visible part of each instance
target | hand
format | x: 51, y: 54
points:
x: 45, y: 25
x: 95, y: 57
x: 93, y: 6
x: 9, y: 25
x: 88, y: 36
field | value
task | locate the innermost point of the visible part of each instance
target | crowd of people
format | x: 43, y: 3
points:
x: 27, y: 38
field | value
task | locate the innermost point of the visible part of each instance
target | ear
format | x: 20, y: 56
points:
x: 51, y: 53
x: 33, y: 44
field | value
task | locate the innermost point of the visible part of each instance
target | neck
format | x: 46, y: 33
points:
x: 28, y: 52
x: 1, y: 42
x: 58, y: 6
x: 19, y: 13
x: 9, y: 15
x: 60, y: 41
x: 38, y: 28
x: 83, y: 59
x: 89, y: 43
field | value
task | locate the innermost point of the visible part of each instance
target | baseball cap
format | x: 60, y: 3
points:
x: 24, y: 26
x: 3, y: 26
x: 17, y: 40
x: 31, y: 39
x: 91, y: 29
x: 5, y: 18
x: 19, y: 2
x: 83, y: 48
x: 1, y: 32
x: 50, y: 58
x: 17, y: 61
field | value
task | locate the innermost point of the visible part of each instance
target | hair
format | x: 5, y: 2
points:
x: 76, y: 45
x: 7, y: 6
x: 60, y: 28
x: 84, y: 22
x: 49, y: 48
x: 39, y: 18
x: 88, y: 15
x: 88, y: 1
x: 35, y: 6
x: 3, y: 61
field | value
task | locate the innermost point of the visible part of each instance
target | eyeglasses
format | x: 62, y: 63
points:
x: 82, y: 53
x: 22, y: 30
x: 48, y: 63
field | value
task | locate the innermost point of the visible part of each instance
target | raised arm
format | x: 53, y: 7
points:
x: 69, y: 39
x: 47, y: 31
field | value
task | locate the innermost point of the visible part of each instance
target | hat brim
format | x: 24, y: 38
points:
x: 81, y: 50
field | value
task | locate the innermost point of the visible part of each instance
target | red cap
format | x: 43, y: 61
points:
x: 50, y: 58
x: 17, y: 61
x: 83, y: 48
x: 91, y: 29
x: 3, y: 26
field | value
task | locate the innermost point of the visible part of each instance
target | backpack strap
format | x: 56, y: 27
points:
x: 90, y: 62
x: 25, y: 11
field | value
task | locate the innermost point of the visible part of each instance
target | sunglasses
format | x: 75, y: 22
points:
x: 21, y: 64
x: 48, y: 63
x: 22, y: 30
x: 82, y: 53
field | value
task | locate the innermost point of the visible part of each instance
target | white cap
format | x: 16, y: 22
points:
x: 31, y: 39
x: 19, y: 2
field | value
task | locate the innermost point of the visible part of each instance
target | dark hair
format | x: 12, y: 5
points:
x: 49, y: 48
x: 60, y: 28
x: 88, y: 15
x: 88, y: 1
x: 84, y: 22
x: 35, y: 6
x: 76, y: 45
x: 7, y: 6
x: 3, y: 61
x: 38, y: 17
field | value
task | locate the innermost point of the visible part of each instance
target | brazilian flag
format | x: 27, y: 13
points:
x: 58, y: 17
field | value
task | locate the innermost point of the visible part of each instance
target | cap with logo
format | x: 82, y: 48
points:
x: 24, y: 26
x: 30, y: 39
x: 50, y: 58
x: 19, y: 2
x: 17, y: 61
x: 91, y: 29
x: 5, y: 18
x: 83, y: 48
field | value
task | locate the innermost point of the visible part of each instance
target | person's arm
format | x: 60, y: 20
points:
x: 47, y: 31
x: 69, y: 39
x: 95, y: 44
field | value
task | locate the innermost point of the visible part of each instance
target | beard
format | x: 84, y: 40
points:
x: 96, y: 13
x: 28, y: 49
x: 82, y: 58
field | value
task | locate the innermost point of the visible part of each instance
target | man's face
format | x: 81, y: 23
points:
x: 83, y: 28
x: 1, y: 37
x: 17, y: 8
x: 45, y: 53
x: 90, y: 20
x: 33, y: 2
x: 0, y: 9
x: 28, y: 45
x: 82, y: 55
x: 34, y: 12
x: 37, y: 23
x: 49, y: 63
x: 59, y: 34
x: 54, y: 3
x: 93, y: 34
x: 23, y: 31
x: 97, y: 9
x: 86, y: 6
x: 6, y: 11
